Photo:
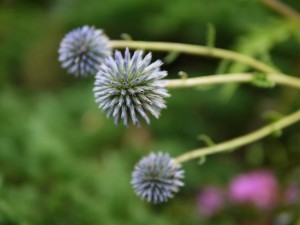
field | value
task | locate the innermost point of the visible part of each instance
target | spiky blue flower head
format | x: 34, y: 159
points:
x: 130, y: 88
x: 157, y: 178
x: 82, y: 50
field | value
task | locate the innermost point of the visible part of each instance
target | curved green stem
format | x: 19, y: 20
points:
x: 272, y: 75
x: 231, y: 78
x: 283, y: 9
x: 194, y: 50
x: 242, y: 140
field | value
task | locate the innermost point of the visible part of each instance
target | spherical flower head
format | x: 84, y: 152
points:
x: 157, y: 178
x: 130, y: 88
x: 83, y: 50
x: 258, y: 188
x: 210, y: 201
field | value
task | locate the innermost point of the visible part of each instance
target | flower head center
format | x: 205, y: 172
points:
x: 125, y: 85
x: 82, y: 50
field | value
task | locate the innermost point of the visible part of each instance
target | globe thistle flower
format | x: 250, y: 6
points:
x: 156, y: 178
x: 83, y: 50
x: 130, y: 87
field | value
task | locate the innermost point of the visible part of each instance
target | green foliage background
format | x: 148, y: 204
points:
x: 63, y: 162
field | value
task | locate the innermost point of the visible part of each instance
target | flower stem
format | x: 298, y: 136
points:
x: 242, y: 140
x: 231, y: 78
x: 194, y: 50
x: 271, y: 73
x: 283, y: 9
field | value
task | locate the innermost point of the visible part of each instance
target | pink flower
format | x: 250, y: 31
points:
x: 210, y: 201
x: 291, y: 194
x: 259, y: 188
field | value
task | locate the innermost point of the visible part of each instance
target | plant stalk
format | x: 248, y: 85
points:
x: 231, y: 78
x: 283, y: 9
x: 194, y: 50
x: 242, y: 140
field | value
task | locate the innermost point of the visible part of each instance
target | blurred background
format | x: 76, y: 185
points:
x: 62, y: 162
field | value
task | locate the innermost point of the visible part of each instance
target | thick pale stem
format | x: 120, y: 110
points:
x: 194, y: 50
x: 231, y: 78
x: 240, y: 141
